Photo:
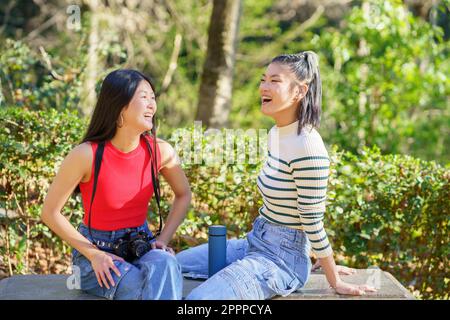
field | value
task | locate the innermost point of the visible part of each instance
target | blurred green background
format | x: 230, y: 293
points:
x: 386, y: 118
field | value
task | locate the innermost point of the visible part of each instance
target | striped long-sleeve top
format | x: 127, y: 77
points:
x: 293, y: 183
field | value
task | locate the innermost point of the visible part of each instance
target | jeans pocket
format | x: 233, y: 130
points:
x: 297, y: 259
x: 267, y: 236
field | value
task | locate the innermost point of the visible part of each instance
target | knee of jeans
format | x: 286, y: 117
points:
x: 162, y: 259
x: 172, y: 263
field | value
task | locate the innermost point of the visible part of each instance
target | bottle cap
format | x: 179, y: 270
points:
x: 217, y: 230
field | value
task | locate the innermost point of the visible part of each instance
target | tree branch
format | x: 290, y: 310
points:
x: 48, y: 63
x: 173, y: 62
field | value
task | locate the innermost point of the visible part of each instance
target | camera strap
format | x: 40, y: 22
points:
x: 98, y: 164
x: 155, y: 183
x: 155, y: 180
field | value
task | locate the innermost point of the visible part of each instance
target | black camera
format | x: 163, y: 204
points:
x: 132, y: 246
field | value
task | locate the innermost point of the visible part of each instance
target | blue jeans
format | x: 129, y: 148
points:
x: 156, y: 275
x: 273, y: 260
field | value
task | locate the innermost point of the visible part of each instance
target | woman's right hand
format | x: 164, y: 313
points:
x: 101, y: 263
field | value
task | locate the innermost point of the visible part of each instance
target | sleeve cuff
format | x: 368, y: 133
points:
x: 323, y: 253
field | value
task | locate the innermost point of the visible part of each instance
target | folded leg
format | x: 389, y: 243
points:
x: 195, y: 260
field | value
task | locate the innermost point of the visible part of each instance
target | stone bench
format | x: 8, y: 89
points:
x: 53, y: 287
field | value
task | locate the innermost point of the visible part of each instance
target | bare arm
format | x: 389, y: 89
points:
x: 329, y: 267
x: 76, y: 167
x: 311, y: 173
x: 175, y: 177
x: 73, y: 169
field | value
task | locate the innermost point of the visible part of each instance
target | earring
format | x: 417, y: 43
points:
x: 120, y: 125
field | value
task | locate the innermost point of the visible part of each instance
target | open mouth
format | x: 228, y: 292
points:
x: 266, y: 100
x: 148, y: 116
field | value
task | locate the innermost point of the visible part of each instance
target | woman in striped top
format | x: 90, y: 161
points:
x: 274, y: 259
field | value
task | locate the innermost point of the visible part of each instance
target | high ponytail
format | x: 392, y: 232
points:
x: 305, y: 66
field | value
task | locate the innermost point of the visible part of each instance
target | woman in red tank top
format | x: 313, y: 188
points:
x: 123, y: 119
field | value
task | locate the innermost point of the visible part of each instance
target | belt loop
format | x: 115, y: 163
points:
x: 258, y: 224
x: 262, y: 222
x: 301, y: 236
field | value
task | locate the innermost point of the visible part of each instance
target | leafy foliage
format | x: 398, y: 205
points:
x: 386, y: 82
x: 26, y: 82
x: 385, y: 77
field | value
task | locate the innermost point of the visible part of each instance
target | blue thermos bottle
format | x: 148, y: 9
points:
x: 217, y: 249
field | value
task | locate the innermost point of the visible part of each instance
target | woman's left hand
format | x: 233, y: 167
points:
x: 342, y: 270
x: 353, y: 289
x: 158, y: 244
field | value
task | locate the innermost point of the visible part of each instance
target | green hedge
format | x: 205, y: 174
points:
x: 393, y: 211
x: 385, y: 210
x: 33, y: 144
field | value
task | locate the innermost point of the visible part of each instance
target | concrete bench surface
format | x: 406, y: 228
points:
x: 53, y: 287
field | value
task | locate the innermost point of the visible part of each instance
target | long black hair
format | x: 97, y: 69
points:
x: 118, y: 88
x: 116, y: 92
x: 305, y: 66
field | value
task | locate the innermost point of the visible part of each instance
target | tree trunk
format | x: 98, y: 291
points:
x: 217, y: 78
x: 88, y: 94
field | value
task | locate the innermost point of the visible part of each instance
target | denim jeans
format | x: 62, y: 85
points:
x: 273, y: 260
x: 154, y: 276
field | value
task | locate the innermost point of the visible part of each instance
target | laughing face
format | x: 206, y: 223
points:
x: 139, y: 113
x: 278, y: 90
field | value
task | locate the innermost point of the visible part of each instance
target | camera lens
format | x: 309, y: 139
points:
x: 140, y: 248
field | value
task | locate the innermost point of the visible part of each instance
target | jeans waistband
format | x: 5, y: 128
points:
x: 294, y: 235
x: 111, y: 236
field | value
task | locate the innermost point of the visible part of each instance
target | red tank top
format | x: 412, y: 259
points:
x: 124, y: 188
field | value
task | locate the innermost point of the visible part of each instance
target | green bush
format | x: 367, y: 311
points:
x: 33, y: 144
x: 392, y: 211
x: 385, y: 210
